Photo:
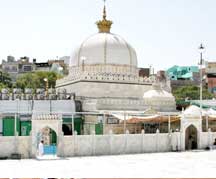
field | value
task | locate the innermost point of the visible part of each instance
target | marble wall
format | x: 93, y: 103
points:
x: 90, y: 145
x: 111, y: 144
x: 15, y: 144
x: 103, y: 89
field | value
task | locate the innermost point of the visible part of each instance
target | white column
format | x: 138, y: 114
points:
x: 124, y: 122
x: 75, y: 144
x: 157, y: 140
x: 72, y: 124
x: 104, y: 123
x: 93, y: 142
x: 1, y: 125
x: 110, y: 136
x: 143, y: 137
x: 126, y: 141
x: 15, y: 125
x: 15, y: 135
x: 169, y: 124
x: 209, y: 137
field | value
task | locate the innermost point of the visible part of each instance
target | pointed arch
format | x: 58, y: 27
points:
x: 191, y: 135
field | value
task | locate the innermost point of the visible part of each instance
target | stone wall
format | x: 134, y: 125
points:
x: 90, y: 145
x: 119, y: 128
x: 111, y: 144
x: 109, y: 73
x: 107, y: 89
x: 19, y: 144
x: 207, y: 139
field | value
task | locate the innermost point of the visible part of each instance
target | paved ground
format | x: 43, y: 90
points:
x: 179, y: 164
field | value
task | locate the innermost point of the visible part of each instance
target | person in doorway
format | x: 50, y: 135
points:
x: 214, y: 142
x: 194, y: 144
x: 41, y: 148
x: 190, y: 142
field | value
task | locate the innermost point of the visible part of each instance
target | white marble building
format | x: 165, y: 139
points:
x: 104, y: 75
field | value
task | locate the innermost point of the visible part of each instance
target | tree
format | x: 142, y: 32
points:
x: 191, y: 93
x: 5, y: 80
x: 2, y: 86
x: 36, y: 80
x: 28, y: 80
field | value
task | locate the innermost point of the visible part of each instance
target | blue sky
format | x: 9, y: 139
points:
x: 163, y: 32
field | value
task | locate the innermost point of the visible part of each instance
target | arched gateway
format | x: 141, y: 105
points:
x: 49, y: 129
x: 191, y: 138
x: 49, y: 137
x: 191, y: 128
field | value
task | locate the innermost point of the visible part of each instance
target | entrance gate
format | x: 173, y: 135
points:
x: 49, y: 129
x: 191, y: 138
x: 50, y: 140
x: 191, y: 128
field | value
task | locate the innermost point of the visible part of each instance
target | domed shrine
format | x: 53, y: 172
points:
x: 104, y: 74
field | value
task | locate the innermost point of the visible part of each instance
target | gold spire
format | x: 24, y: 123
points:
x: 104, y: 25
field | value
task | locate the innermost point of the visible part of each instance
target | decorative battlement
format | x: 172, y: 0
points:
x: 127, y: 104
x: 47, y: 117
x: 38, y: 94
x: 105, y: 73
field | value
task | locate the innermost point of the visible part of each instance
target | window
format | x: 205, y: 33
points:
x: 67, y: 129
x: 112, y: 120
x: 27, y: 68
x: 151, y: 127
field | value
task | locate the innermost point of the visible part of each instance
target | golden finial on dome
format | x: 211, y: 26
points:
x: 104, y: 25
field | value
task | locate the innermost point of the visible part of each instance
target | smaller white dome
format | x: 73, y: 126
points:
x: 211, y: 112
x: 192, y: 111
x: 157, y: 92
x: 159, y: 99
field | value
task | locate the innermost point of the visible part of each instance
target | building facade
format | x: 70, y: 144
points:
x: 16, y: 68
x: 103, y: 74
x: 183, y: 76
x: 211, y: 76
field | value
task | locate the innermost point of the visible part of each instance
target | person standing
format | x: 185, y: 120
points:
x: 190, y: 143
x: 214, y: 142
x: 41, y: 148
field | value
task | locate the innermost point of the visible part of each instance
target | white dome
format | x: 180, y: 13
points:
x: 157, y: 92
x: 159, y: 99
x: 104, y: 48
x: 192, y: 111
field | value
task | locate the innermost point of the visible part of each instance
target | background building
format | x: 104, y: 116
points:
x: 211, y: 76
x: 183, y: 76
x: 15, y: 68
x: 144, y: 72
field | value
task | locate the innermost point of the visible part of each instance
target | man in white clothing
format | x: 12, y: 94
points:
x: 41, y: 148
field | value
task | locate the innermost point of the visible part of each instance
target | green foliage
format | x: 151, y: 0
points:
x: 3, y: 86
x: 36, y: 80
x: 191, y: 93
x: 5, y: 80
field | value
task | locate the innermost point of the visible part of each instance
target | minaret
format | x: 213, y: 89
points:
x: 104, y: 25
